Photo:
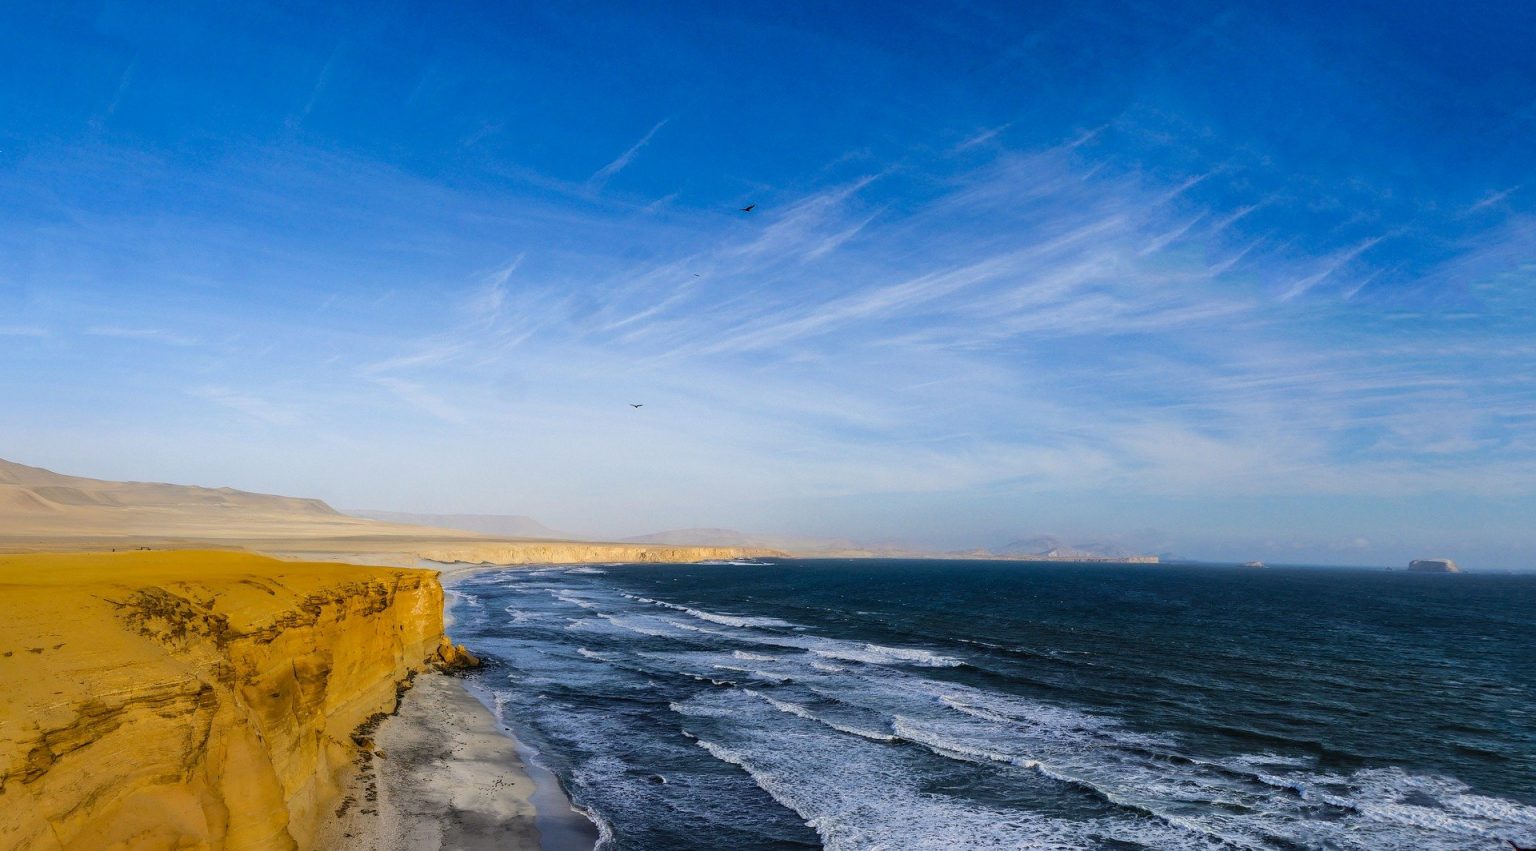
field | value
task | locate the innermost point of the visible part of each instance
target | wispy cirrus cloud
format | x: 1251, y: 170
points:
x: 1016, y: 262
x: 1027, y: 321
x: 255, y: 407
x: 1329, y: 266
x: 148, y: 335
x: 601, y: 177
x: 423, y: 399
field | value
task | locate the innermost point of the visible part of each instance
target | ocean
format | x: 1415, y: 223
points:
x: 902, y: 704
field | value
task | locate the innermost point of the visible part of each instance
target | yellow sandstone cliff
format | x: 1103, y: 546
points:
x: 181, y: 700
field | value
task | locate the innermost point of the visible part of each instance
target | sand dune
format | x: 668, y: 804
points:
x: 44, y: 511
x: 38, y: 502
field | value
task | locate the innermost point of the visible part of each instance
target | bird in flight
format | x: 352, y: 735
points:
x: 633, y: 405
x: 748, y: 208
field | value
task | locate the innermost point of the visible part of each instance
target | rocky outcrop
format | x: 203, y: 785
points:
x: 1433, y: 565
x: 452, y: 657
x: 194, y: 699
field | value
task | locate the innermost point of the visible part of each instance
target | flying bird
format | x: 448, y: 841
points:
x: 748, y: 208
x: 633, y: 405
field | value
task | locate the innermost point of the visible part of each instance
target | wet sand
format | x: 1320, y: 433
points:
x: 443, y: 774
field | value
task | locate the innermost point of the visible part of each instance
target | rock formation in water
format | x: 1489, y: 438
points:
x: 154, y: 700
x: 1433, y: 565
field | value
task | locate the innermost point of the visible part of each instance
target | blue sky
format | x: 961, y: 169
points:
x: 1218, y: 279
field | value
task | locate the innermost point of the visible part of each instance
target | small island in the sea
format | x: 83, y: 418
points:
x: 1433, y: 565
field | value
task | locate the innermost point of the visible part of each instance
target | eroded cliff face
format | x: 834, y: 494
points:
x: 176, y: 700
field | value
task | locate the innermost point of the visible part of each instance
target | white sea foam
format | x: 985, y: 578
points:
x: 753, y: 657
x: 834, y: 763
x: 739, y: 621
x: 638, y: 625
x: 693, y: 627
x: 801, y: 712
x: 762, y: 675
x: 862, y: 794
x: 877, y: 654
x: 573, y: 599
x: 521, y: 616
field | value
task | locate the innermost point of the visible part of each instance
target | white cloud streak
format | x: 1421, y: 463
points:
x: 601, y: 177
x: 148, y: 335
x: 1035, y: 323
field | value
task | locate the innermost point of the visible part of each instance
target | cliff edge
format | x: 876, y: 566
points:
x: 171, y: 700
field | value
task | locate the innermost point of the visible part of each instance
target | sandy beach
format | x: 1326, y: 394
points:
x: 443, y: 775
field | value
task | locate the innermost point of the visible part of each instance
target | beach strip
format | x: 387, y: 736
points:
x: 441, y: 773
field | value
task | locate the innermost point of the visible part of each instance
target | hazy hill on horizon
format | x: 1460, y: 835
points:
x: 26, y: 490
x: 37, y: 502
x: 1049, y: 546
x: 716, y: 537
x: 506, y: 525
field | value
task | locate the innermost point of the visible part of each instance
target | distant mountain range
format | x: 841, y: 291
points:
x: 43, y: 493
x: 1045, y: 547
x: 1048, y: 546
x: 35, y: 501
x: 501, y: 525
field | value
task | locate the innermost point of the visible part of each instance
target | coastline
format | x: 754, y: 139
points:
x: 442, y: 772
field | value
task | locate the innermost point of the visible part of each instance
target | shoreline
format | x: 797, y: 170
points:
x: 443, y: 773
x: 561, y: 825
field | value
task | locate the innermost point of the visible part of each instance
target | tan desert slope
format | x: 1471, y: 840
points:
x: 34, y: 501
x: 41, y: 510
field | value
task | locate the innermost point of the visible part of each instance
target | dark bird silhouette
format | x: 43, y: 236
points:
x: 748, y: 208
x: 633, y: 405
x: 1519, y: 847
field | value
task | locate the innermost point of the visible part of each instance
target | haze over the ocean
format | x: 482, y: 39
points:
x: 1221, y: 279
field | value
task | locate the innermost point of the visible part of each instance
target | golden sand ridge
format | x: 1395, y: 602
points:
x: 194, y: 699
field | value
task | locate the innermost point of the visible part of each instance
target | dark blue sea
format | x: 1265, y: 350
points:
x: 953, y: 705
